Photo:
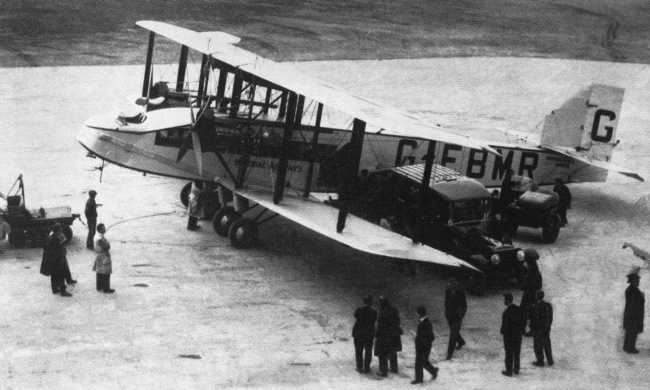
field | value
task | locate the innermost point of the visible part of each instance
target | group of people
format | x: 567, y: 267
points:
x: 55, y: 262
x: 383, y: 328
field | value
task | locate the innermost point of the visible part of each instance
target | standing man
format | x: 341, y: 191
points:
x: 512, y: 326
x: 423, y: 340
x: 455, y: 309
x: 55, y: 263
x: 541, y: 327
x: 565, y: 199
x: 91, y: 218
x: 362, y: 333
x: 634, y: 312
x: 532, y: 284
x: 387, y: 337
x: 194, y: 206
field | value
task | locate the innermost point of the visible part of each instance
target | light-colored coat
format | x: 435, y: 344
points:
x: 103, y: 263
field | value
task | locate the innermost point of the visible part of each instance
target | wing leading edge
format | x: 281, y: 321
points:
x: 387, y: 119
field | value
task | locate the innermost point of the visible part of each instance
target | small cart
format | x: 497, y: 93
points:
x: 33, y: 226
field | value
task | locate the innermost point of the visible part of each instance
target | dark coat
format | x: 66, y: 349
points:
x: 91, y: 209
x: 364, y: 327
x: 512, y: 323
x: 387, y: 335
x: 542, y: 317
x: 455, y: 304
x: 533, y: 280
x: 634, y: 310
x: 54, y: 261
x: 564, y: 195
x: 424, y: 336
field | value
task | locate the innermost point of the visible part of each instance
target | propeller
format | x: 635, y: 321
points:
x: 194, y: 138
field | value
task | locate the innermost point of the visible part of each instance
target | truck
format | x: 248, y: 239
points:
x: 533, y: 207
x: 452, y: 216
x: 31, y: 227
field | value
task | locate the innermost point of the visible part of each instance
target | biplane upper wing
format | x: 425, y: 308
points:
x: 358, y: 234
x: 569, y: 152
x: 387, y: 119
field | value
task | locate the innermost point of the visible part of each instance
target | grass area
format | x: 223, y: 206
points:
x: 70, y: 32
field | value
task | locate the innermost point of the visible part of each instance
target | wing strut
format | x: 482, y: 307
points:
x: 182, y: 65
x: 313, y: 157
x: 281, y: 175
x: 221, y: 89
x: 147, y: 66
x: 426, y: 177
x: 351, y: 169
x: 202, y: 78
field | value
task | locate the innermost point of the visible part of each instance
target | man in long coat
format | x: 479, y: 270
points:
x: 532, y: 284
x: 91, y: 218
x: 633, y: 313
x: 54, y: 262
x: 455, y: 309
x: 512, y: 327
x: 564, y: 199
x: 363, y: 333
x: 423, y: 339
x: 387, y: 337
x: 541, y: 326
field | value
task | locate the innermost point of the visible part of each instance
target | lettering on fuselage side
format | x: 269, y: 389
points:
x: 408, y: 160
x: 476, y: 165
x: 446, y: 158
x: 596, y: 133
x: 501, y: 166
x: 528, y: 163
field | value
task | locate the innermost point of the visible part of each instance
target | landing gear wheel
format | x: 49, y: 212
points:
x: 223, y: 219
x: 477, y: 284
x: 67, y: 232
x: 551, y: 228
x: 17, y: 238
x: 185, y: 194
x: 242, y: 233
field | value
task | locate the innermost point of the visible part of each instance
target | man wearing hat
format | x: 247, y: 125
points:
x: 512, y: 327
x: 363, y: 332
x: 532, y: 284
x: 423, y: 340
x: 634, y: 312
x: 564, y: 199
x: 55, y: 263
x: 540, y: 325
x: 91, y: 218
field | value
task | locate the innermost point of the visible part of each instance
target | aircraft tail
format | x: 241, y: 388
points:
x: 586, y: 124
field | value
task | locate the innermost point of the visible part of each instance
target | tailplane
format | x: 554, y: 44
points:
x: 586, y: 124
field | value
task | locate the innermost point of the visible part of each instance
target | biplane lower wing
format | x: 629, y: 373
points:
x: 358, y: 234
x: 569, y: 152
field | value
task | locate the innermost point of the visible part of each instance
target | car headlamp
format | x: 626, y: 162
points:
x: 520, y: 255
x: 495, y: 259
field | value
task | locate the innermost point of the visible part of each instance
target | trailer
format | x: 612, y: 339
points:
x: 31, y: 227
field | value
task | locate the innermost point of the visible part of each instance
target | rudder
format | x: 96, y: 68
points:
x: 586, y: 122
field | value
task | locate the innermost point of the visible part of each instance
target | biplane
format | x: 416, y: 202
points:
x: 272, y: 140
